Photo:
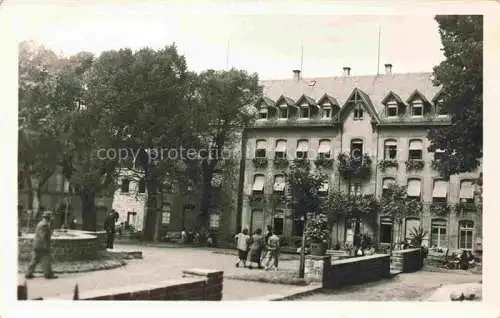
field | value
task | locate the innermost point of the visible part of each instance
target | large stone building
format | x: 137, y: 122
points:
x: 385, y: 117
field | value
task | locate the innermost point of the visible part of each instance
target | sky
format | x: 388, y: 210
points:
x: 267, y: 42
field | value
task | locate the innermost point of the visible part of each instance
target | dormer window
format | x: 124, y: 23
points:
x: 439, y: 108
x: 283, y: 112
x: 263, y: 113
x: 417, y: 108
x: 305, y: 112
x: 327, y: 112
x: 358, y: 112
x: 392, y: 109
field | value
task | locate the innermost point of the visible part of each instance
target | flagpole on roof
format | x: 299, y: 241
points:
x: 378, y: 55
x: 227, y: 55
x: 301, y: 58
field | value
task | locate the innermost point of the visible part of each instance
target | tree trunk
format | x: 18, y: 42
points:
x: 206, y: 195
x: 89, y: 214
x: 151, y: 211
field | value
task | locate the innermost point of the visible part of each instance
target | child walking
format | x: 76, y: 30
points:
x: 242, y: 247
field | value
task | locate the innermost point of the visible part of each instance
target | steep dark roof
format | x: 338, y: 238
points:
x: 377, y: 87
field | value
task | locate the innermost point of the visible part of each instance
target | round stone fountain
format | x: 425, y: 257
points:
x: 67, y: 245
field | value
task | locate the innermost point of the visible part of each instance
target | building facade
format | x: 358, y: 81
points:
x: 384, y: 119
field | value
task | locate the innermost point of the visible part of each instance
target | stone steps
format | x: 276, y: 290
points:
x: 125, y: 254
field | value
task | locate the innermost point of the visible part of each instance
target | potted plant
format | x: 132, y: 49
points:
x: 317, y: 233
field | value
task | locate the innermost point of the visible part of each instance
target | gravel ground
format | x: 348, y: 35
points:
x: 416, y: 286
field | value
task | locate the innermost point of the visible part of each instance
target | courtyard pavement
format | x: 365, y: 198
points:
x: 157, y: 264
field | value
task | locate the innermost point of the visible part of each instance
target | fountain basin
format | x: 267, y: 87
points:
x: 67, y: 245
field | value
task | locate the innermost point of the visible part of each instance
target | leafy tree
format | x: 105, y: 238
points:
x: 461, y: 77
x: 223, y: 98
x: 147, y: 100
x: 394, y: 204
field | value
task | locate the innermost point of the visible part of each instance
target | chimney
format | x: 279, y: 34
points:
x: 347, y: 71
x: 296, y: 75
x: 388, y: 68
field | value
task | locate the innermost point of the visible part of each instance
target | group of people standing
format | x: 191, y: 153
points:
x: 258, y: 249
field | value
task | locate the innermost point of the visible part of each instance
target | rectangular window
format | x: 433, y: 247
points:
x: 356, y: 189
x: 304, y: 112
x: 358, y: 112
x: 258, y: 184
x: 280, y: 151
x: 392, y: 110
x: 466, y: 192
x: 302, y: 149
x: 142, y: 186
x: 386, y: 186
x: 440, y: 191
x: 279, y: 184
x: 283, y: 112
x: 466, y: 229
x: 390, y: 150
x: 440, y: 109
x: 413, y: 190
x: 298, y: 227
x: 415, y: 150
x: 260, y: 149
x: 327, y: 112
x: 438, y: 234
x: 438, y: 155
x: 357, y: 150
x: 386, y: 231
x: 417, y: 109
x: 263, y: 113
x: 323, y: 190
x: 278, y: 226
x: 324, y: 149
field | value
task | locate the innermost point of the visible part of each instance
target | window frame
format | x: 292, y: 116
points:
x: 439, y: 226
x: 420, y: 151
x: 305, y: 154
x: 282, y: 108
x: 303, y: 108
x: 417, y: 104
x: 465, y: 229
x: 392, y: 105
x: 358, y: 113
x: 257, y: 149
x: 387, y: 149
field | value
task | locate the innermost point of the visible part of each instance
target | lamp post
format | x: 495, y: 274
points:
x: 302, y: 265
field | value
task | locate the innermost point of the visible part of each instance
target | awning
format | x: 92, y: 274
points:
x: 413, y: 188
x: 258, y: 184
x: 385, y: 220
x: 387, y: 182
x: 391, y: 143
x: 416, y: 145
x: 466, y: 190
x: 279, y: 183
x: 324, y: 146
x: 440, y: 189
x: 261, y: 144
x: 263, y: 110
x: 324, y: 187
x: 303, y: 146
x: 281, y: 146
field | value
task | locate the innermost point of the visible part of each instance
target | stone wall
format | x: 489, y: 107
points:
x: 355, y: 270
x: 78, y: 247
x: 196, y: 284
x: 409, y: 260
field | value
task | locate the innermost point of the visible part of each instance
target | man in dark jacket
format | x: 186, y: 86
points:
x: 109, y: 227
x: 41, y: 248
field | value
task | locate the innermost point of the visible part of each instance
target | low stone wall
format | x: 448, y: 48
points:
x: 355, y: 270
x: 70, y: 246
x: 196, y: 284
x: 408, y: 260
x: 101, y: 238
